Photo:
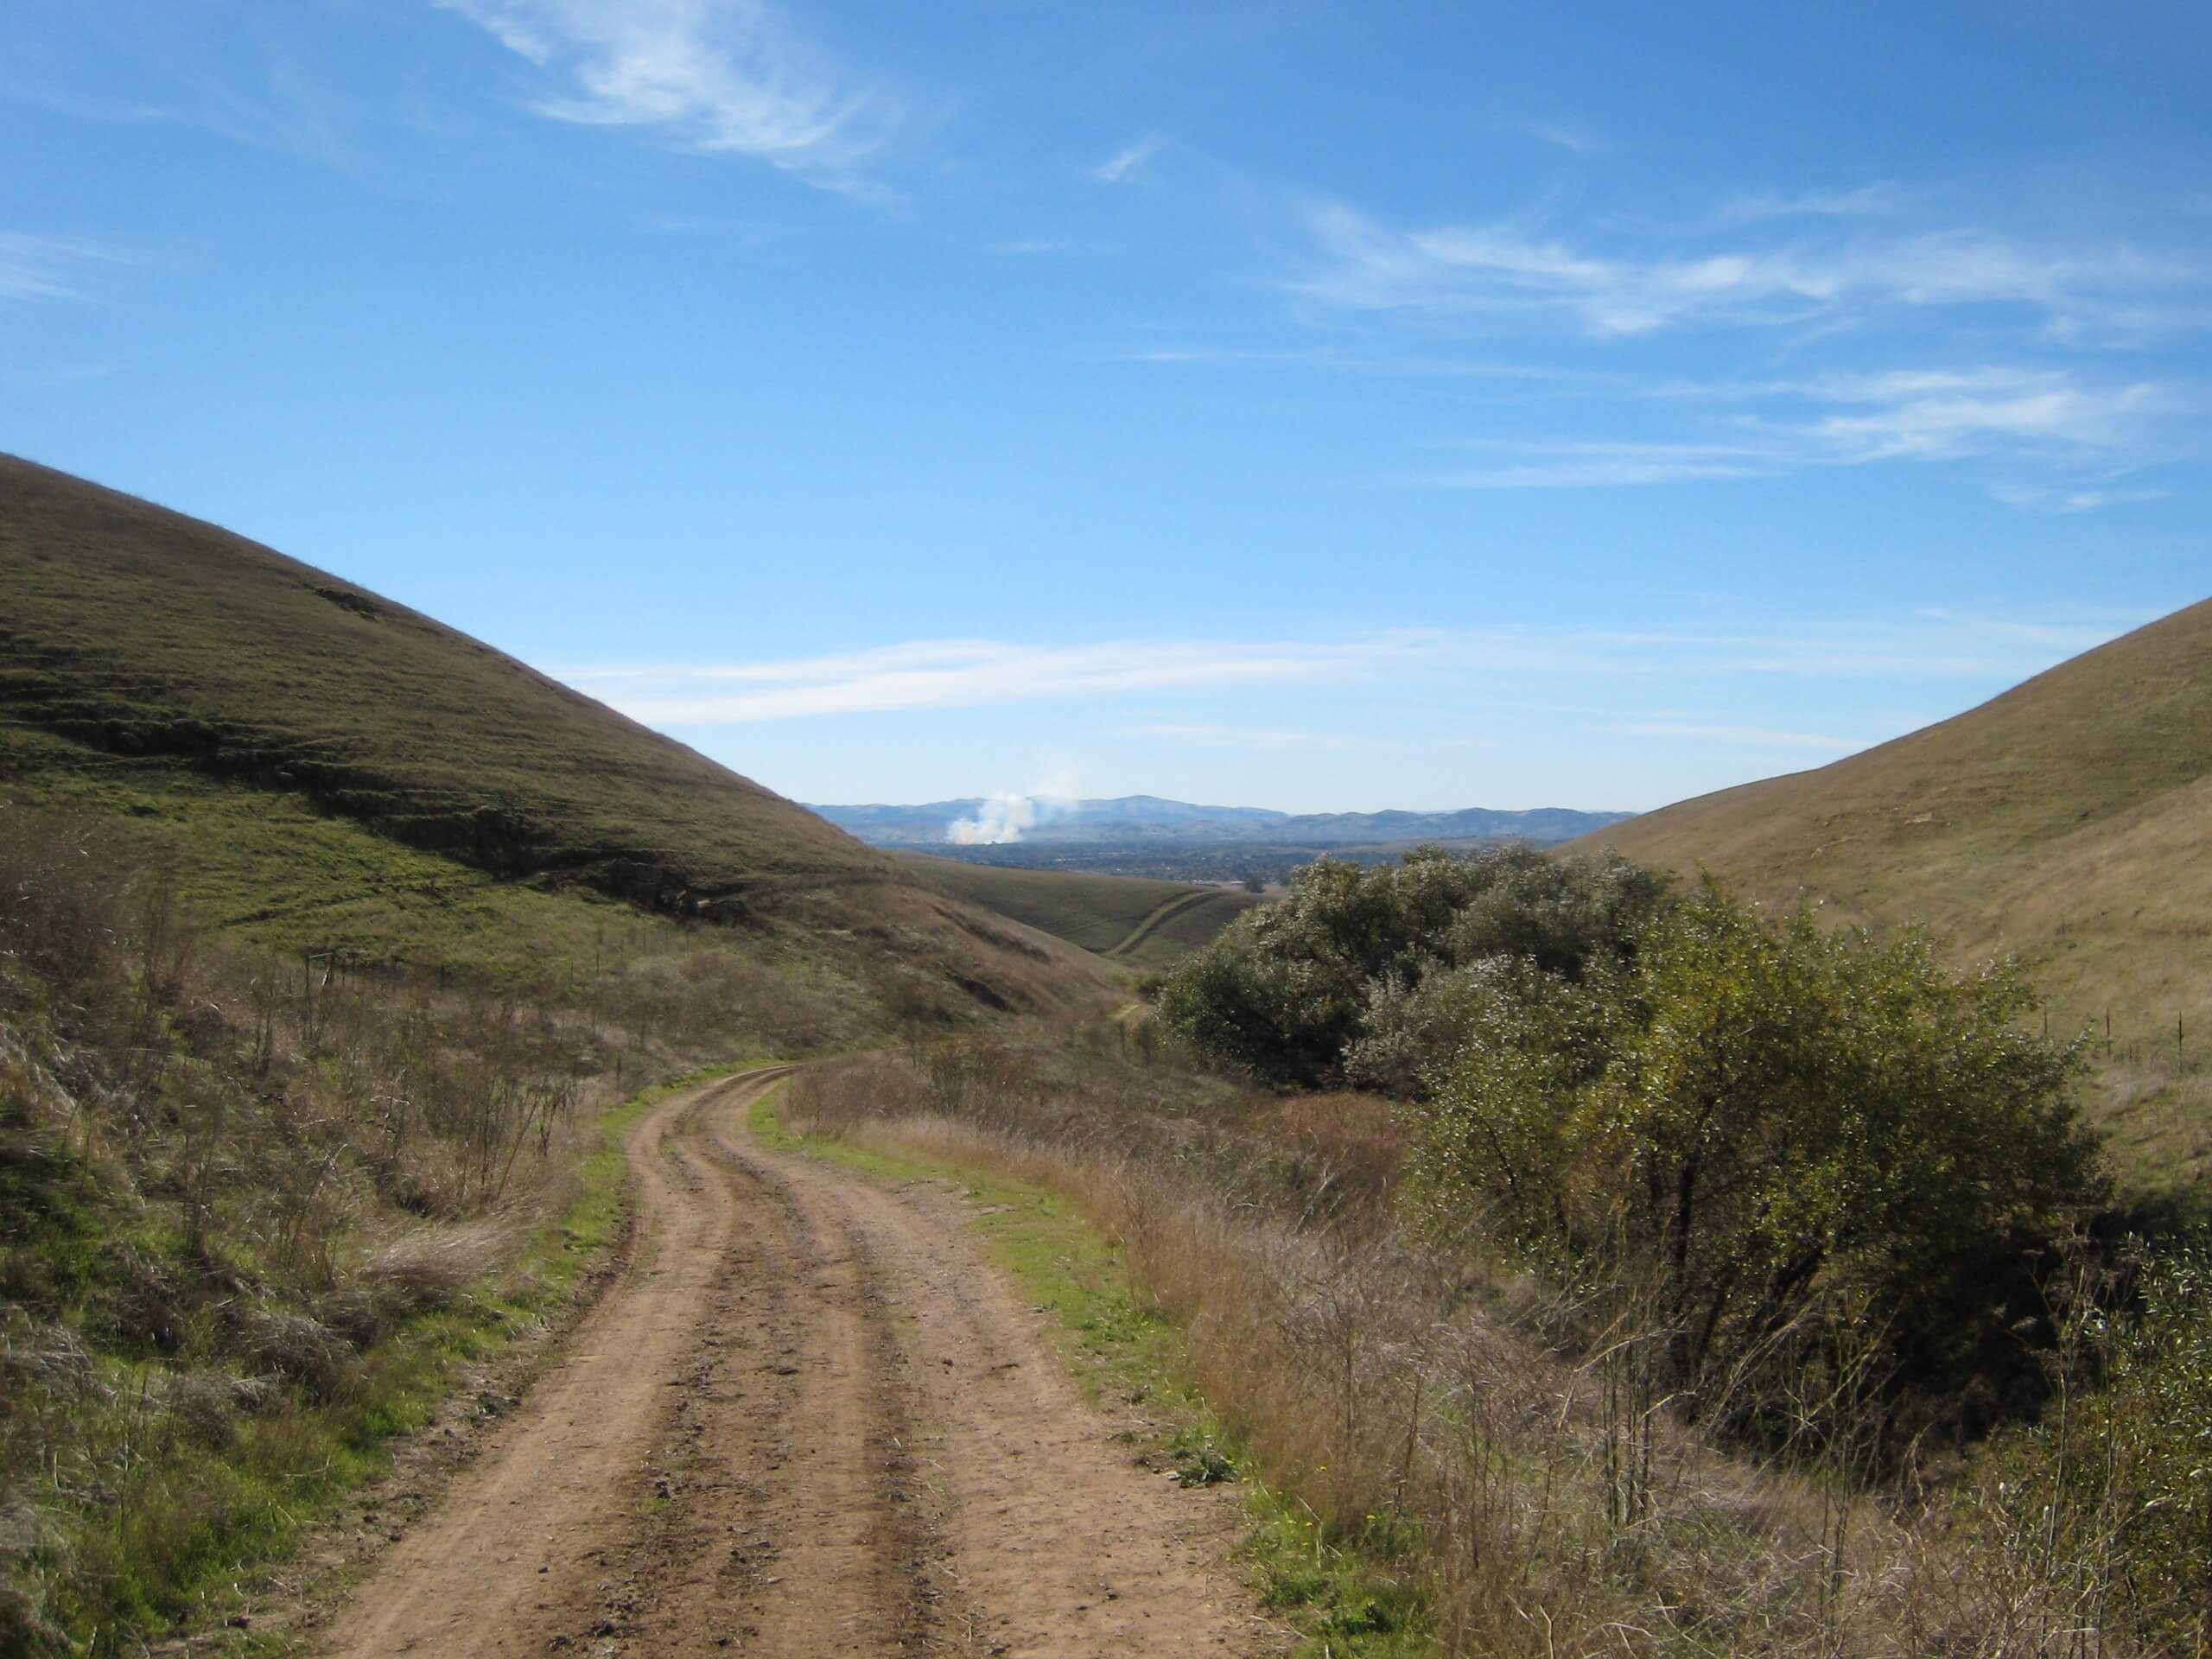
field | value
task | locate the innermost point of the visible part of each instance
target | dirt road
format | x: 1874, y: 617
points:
x: 808, y: 1419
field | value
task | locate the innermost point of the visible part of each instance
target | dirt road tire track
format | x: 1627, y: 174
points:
x: 808, y: 1419
x: 1158, y: 918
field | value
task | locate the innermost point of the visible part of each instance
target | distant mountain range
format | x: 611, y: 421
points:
x: 978, y: 821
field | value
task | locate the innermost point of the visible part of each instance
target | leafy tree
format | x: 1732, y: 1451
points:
x: 1289, y: 991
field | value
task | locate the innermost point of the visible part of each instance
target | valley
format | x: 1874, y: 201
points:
x: 1011, y: 831
x: 376, y: 1012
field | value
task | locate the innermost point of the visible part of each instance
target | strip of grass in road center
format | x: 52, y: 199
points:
x: 1116, y: 1348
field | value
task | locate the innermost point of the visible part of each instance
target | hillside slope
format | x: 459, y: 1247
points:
x: 136, y: 630
x: 2066, y: 820
x: 154, y: 666
x: 1146, y: 923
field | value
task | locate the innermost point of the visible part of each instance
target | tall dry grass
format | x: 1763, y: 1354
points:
x: 1498, y: 1438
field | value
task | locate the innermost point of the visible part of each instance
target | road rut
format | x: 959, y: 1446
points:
x: 808, y: 1419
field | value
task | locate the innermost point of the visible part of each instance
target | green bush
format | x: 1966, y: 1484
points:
x: 1289, y: 991
x: 2150, y: 1468
x: 2097, y: 1521
x: 1804, y: 1159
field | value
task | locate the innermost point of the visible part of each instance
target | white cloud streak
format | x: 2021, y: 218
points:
x: 1844, y: 273
x: 972, y: 673
x: 1506, y: 269
x: 1128, y: 163
x: 720, y: 77
x: 1597, y: 464
x: 1939, y: 417
x: 1866, y: 201
x: 2029, y: 498
x: 49, y: 267
x: 2017, y: 415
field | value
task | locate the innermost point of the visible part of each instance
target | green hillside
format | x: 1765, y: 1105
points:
x: 137, y: 631
x: 1131, y: 918
x: 328, y: 769
x: 2065, y: 820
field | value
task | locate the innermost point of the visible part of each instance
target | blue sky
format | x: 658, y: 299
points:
x: 1320, y: 406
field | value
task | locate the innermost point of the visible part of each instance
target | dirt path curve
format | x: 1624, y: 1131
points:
x: 1152, y: 921
x: 808, y: 1419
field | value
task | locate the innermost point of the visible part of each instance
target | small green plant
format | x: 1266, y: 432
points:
x: 1204, y: 1465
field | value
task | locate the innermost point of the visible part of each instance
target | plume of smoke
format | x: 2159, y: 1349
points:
x: 1004, y: 815
x: 1000, y: 818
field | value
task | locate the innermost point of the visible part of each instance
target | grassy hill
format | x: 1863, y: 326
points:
x: 2066, y: 820
x: 1143, y: 922
x: 329, y: 768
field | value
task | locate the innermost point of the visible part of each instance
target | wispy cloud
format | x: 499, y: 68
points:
x: 957, y: 673
x: 2067, y: 637
x: 973, y: 673
x: 2057, y: 416
x: 1941, y: 422
x: 50, y: 267
x: 2014, y: 414
x: 727, y: 77
x: 2031, y: 498
x: 1864, y: 201
x: 1510, y: 269
x: 1596, y: 464
x: 245, y: 73
x: 1128, y: 163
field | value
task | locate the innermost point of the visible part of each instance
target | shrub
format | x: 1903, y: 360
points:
x: 1798, y: 1155
x: 2159, y: 1412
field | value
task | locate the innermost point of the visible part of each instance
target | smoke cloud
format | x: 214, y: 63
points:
x: 1004, y: 817
x: 1001, y: 818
